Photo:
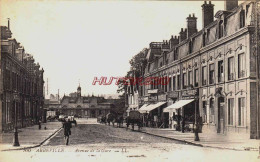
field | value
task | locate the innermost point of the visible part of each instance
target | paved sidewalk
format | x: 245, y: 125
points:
x: 213, y: 140
x: 29, y: 136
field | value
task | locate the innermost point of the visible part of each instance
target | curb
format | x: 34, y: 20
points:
x: 195, y: 144
x: 38, y: 145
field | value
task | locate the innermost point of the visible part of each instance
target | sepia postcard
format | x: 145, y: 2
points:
x: 123, y: 80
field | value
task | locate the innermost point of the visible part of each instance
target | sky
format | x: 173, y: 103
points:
x: 75, y: 41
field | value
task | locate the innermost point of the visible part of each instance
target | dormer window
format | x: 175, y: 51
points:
x: 242, y: 18
x: 204, y: 40
x: 221, y: 29
x: 190, y: 47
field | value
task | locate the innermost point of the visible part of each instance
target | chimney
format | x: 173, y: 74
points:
x: 207, y: 13
x: 191, y: 25
x: 230, y: 4
x: 173, y: 41
x: 183, y: 35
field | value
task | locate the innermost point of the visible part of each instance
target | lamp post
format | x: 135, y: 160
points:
x: 196, y: 130
x: 15, y: 139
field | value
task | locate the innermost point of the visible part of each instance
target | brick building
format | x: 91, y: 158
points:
x: 214, y: 70
x: 21, y: 84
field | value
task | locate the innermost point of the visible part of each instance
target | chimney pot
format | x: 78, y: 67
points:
x: 189, y: 15
x: 230, y: 4
x: 207, y: 14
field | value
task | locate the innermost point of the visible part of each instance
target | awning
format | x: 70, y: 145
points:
x: 177, y: 105
x: 142, y: 108
x: 151, y: 107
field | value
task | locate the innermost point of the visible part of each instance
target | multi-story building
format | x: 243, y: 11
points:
x: 22, y: 90
x: 212, y: 72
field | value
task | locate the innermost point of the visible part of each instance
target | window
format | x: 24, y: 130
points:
x: 165, y: 83
x: 196, y: 78
x: 221, y: 29
x: 184, y: 83
x: 190, y: 78
x: 204, y: 39
x: 231, y: 68
x: 176, y: 54
x: 211, y: 110
x: 204, y: 76
x: 220, y: 71
x: 204, y: 116
x: 211, y: 73
x: 241, y: 108
x: 174, y: 83
x: 178, y: 82
x: 8, y: 111
x: 170, y: 83
x: 242, y: 18
x: 241, y: 65
x: 230, y: 111
x: 190, y: 46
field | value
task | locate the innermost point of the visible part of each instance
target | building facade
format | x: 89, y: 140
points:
x: 22, y: 90
x: 214, y: 70
x: 80, y: 106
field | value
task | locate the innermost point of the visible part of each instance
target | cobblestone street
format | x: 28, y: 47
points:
x: 96, y: 142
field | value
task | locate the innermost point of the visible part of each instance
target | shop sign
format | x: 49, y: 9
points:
x: 162, y: 97
x: 152, y: 91
x: 146, y: 99
x: 152, y: 98
x: 140, y: 100
x: 173, y: 94
x: 190, y: 93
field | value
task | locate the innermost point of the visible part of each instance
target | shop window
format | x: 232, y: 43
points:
x: 196, y: 77
x: 242, y: 18
x: 241, y: 65
x: 231, y: 68
x: 241, y: 108
x: 230, y: 111
x: 220, y: 71
x: 204, y: 75
x: 211, y: 73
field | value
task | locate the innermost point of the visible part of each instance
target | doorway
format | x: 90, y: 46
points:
x: 221, y: 115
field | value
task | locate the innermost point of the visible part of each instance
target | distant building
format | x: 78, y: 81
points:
x: 21, y: 85
x: 77, y: 105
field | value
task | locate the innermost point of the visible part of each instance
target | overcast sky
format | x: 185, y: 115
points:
x: 78, y: 40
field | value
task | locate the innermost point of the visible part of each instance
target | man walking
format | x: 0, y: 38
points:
x: 67, y: 131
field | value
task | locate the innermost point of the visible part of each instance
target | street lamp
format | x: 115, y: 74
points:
x: 15, y: 140
x: 196, y: 130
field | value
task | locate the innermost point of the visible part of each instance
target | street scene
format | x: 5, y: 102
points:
x: 130, y: 80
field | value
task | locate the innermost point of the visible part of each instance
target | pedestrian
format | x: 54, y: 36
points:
x: 67, y: 132
x: 40, y: 124
x: 183, y: 124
